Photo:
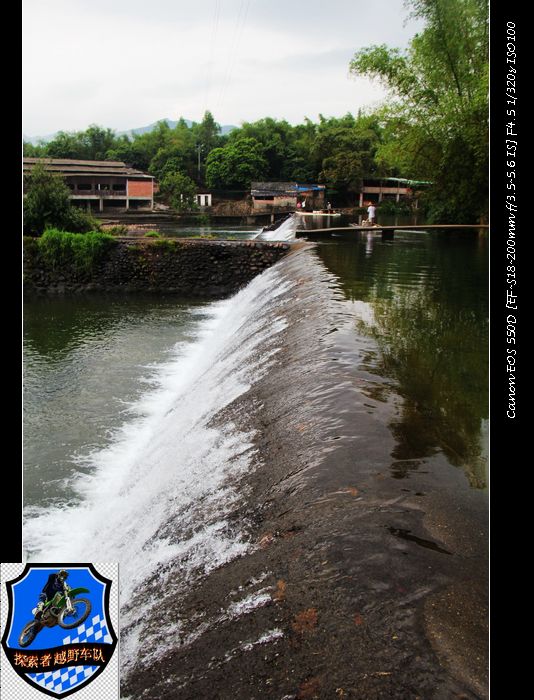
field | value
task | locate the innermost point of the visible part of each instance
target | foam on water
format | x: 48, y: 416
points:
x: 284, y: 232
x: 157, y: 498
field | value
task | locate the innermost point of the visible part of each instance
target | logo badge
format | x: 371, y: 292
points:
x: 58, y: 634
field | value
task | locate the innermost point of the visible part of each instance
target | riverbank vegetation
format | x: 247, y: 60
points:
x: 433, y: 127
x: 60, y: 250
x: 47, y: 204
x: 436, y: 121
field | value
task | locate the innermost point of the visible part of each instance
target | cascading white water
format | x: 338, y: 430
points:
x: 284, y: 232
x: 157, y: 498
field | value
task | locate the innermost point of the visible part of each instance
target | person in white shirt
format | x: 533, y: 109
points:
x: 371, y: 211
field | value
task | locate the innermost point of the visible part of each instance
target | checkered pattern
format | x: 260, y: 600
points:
x: 63, y: 679
x: 96, y: 632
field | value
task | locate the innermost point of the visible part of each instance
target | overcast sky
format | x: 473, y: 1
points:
x: 127, y: 63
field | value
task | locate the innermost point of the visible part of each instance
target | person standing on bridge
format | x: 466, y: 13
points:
x: 371, y: 213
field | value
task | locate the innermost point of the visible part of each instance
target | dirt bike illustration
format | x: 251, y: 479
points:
x: 64, y: 609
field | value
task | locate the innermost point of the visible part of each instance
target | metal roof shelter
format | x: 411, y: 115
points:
x: 67, y: 166
x: 283, y: 188
x: 404, y: 180
x: 310, y: 188
x: 276, y: 189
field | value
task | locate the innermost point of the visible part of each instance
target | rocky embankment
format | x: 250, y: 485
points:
x: 191, y: 267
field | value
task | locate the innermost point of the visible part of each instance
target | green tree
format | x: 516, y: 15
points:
x: 236, y: 165
x: 139, y: 149
x: 179, y: 190
x: 207, y: 134
x: 47, y: 204
x: 29, y: 150
x: 346, y: 148
x: 301, y: 165
x: 66, y: 145
x: 91, y: 144
x: 97, y: 141
x: 175, y: 152
x: 275, y: 138
x: 136, y: 152
x: 438, y: 117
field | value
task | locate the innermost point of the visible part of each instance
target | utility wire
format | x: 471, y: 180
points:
x: 238, y: 31
x: 209, y: 67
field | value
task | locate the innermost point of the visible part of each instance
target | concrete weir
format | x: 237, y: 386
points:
x: 192, y: 267
x: 346, y: 586
x: 268, y: 549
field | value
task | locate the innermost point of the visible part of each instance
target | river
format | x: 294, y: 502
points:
x: 302, y: 462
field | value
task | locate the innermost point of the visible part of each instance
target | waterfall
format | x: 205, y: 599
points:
x: 284, y: 232
x: 156, y: 498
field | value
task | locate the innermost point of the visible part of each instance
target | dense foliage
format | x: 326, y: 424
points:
x: 236, y: 165
x: 47, y: 204
x: 81, y: 252
x: 338, y: 151
x: 437, y: 121
x: 180, y: 190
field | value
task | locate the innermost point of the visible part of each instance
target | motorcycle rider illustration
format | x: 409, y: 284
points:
x: 56, y: 583
x: 59, y: 604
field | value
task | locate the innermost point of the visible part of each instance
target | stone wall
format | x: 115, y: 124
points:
x: 196, y: 268
x: 232, y: 208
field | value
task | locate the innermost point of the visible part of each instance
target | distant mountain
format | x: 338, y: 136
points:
x: 225, y: 129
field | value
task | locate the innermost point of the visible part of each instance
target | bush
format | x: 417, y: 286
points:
x: 78, y: 221
x: 47, y: 205
x: 152, y: 234
x: 78, y: 251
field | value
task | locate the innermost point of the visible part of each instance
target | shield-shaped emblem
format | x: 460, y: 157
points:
x: 59, y: 639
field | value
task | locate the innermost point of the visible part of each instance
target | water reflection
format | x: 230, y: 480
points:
x: 55, y: 326
x: 425, y: 297
x: 309, y: 223
x: 368, y: 243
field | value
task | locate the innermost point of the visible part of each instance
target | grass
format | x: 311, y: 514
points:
x: 60, y: 250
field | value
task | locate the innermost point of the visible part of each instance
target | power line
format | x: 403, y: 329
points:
x: 214, y: 29
x: 238, y: 31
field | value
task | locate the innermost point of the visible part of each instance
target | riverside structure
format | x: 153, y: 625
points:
x: 101, y: 185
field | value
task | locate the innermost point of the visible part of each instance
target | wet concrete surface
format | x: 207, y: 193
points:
x: 359, y: 583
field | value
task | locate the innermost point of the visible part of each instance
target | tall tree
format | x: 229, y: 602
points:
x: 236, y: 165
x: 91, y: 144
x: 274, y: 137
x: 180, y: 191
x: 438, y: 119
x: 207, y: 134
x: 345, y: 147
